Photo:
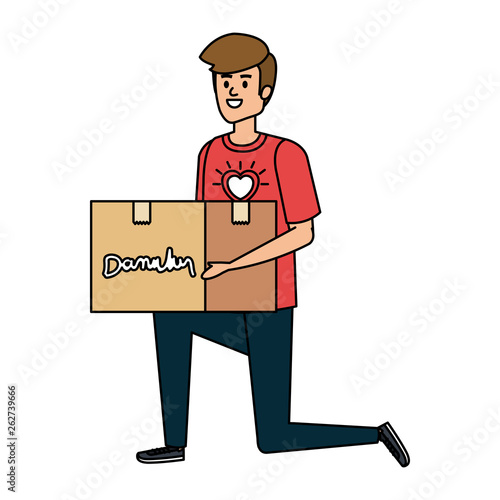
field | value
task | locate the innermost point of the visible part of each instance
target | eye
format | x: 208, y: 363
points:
x: 245, y: 84
x: 226, y: 84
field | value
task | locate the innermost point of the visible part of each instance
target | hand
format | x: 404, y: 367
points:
x: 215, y: 269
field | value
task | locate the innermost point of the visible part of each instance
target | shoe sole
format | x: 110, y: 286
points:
x: 399, y: 442
x: 161, y: 460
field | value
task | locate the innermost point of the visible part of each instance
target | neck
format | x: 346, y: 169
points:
x: 244, y: 132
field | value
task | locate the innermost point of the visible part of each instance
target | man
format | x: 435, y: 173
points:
x: 244, y: 75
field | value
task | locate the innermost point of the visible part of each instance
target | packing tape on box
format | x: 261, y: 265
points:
x: 240, y: 212
x: 141, y: 212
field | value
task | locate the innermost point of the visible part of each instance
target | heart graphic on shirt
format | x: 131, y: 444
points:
x: 240, y: 185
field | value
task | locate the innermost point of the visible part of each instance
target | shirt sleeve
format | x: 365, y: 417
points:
x: 296, y: 183
x: 200, y: 177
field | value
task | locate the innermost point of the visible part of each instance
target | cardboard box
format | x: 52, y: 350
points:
x: 149, y: 256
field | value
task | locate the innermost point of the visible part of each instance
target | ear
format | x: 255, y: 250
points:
x: 266, y: 92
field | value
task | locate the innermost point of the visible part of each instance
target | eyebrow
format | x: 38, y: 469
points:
x: 245, y: 76
x: 226, y: 75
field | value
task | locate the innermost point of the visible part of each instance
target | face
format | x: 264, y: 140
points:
x: 238, y: 94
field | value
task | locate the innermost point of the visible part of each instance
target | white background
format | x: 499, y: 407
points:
x: 391, y: 250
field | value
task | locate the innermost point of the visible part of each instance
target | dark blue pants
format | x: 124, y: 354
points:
x: 266, y: 337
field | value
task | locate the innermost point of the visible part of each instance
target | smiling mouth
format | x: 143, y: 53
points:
x: 234, y: 103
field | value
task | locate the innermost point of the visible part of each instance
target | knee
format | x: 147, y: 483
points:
x: 270, y: 440
x: 265, y: 446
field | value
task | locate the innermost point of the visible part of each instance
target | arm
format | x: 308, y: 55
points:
x: 200, y: 176
x: 298, y: 236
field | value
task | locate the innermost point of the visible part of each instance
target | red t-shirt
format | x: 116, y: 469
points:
x: 281, y: 173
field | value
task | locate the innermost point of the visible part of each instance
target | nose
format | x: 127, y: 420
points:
x: 231, y: 92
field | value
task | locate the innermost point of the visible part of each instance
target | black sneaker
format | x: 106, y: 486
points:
x: 391, y: 440
x: 159, y: 455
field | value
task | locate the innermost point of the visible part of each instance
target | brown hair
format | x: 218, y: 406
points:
x: 237, y: 52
